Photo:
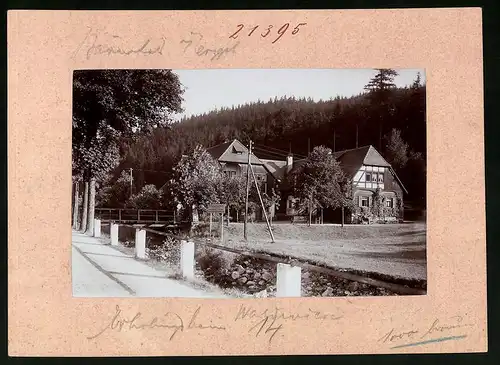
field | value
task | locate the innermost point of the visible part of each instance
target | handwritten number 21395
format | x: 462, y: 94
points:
x: 267, y: 31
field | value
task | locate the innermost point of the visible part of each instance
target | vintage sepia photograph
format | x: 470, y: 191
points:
x: 249, y: 183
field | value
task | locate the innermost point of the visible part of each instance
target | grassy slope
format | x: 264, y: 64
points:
x: 396, y: 250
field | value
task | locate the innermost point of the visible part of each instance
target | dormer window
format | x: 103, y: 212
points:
x: 237, y: 151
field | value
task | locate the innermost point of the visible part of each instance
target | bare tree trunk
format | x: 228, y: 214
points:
x: 76, y: 206
x: 91, y: 212
x: 85, y: 207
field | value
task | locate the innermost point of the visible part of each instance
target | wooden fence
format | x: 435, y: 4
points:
x: 136, y: 215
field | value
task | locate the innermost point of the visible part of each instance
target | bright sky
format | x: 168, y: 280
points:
x: 216, y: 88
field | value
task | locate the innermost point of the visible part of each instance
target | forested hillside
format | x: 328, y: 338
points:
x: 298, y: 125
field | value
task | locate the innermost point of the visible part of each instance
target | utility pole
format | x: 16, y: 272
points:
x: 248, y: 189
x: 131, y: 179
x: 262, y: 203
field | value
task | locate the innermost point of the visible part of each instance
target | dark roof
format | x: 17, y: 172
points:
x: 276, y: 167
x: 217, y: 151
x: 351, y: 160
x: 233, y: 152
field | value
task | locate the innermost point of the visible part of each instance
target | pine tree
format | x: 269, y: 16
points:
x: 379, y: 89
x: 383, y: 80
x: 396, y: 150
x: 417, y: 83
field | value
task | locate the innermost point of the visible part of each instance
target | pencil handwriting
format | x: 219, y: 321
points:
x: 101, y: 43
x: 170, y: 321
x: 196, y: 44
x: 421, y: 334
x: 271, y: 322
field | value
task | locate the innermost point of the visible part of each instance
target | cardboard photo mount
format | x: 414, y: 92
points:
x: 45, y: 47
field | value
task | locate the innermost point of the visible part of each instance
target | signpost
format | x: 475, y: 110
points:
x: 217, y: 209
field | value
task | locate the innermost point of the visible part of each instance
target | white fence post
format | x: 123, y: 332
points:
x: 187, y: 259
x: 114, y: 234
x: 288, y: 281
x: 140, y: 243
x: 97, y: 228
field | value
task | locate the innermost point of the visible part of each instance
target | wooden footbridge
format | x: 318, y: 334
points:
x: 152, y: 217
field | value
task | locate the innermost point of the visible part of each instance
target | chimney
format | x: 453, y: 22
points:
x: 289, y: 162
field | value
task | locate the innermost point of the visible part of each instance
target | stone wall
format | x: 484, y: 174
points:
x: 258, y: 277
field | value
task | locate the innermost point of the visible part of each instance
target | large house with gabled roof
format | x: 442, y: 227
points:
x: 377, y: 191
x: 233, y: 158
x: 375, y: 184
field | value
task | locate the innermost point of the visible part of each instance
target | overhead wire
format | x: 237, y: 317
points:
x: 282, y: 155
x: 278, y: 150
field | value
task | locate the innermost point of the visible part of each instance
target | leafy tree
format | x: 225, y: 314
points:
x: 114, y: 193
x: 148, y: 198
x: 198, y: 181
x: 320, y: 182
x: 271, y: 199
x: 109, y: 105
x: 396, y: 150
x: 234, y: 191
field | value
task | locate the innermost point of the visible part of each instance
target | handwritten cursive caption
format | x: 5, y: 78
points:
x: 101, y: 43
x: 266, y: 323
x: 420, y: 336
x: 271, y: 322
x: 196, y: 44
x: 264, y: 31
x: 168, y: 321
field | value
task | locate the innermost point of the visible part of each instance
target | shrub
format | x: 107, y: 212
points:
x: 169, y: 251
x: 212, y: 261
x: 200, y: 230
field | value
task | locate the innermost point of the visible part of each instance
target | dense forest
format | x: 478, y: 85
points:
x: 287, y: 124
